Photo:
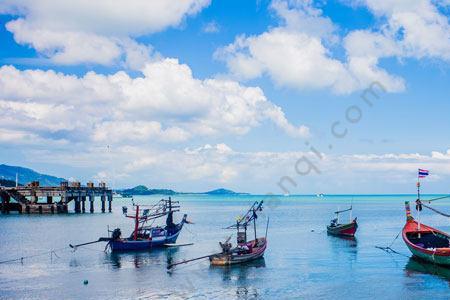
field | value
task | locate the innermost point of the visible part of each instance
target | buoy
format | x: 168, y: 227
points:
x: 85, y: 282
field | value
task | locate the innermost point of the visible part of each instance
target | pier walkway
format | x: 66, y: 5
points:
x: 34, y: 199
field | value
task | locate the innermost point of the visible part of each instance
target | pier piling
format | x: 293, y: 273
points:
x: 103, y: 200
x: 91, y: 204
x: 110, y: 198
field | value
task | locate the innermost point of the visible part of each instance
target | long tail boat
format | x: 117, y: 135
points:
x: 425, y: 241
x: 245, y: 250
x: 346, y: 229
x: 146, y: 237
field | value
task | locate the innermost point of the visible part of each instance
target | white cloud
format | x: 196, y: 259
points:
x: 417, y: 27
x: 102, y: 32
x: 210, y: 166
x: 211, y: 27
x: 295, y: 54
x: 299, y: 52
x: 165, y: 104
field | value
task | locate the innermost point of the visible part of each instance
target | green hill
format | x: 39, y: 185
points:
x: 143, y: 190
x: 27, y: 175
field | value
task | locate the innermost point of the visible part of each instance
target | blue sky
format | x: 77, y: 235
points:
x: 238, y: 94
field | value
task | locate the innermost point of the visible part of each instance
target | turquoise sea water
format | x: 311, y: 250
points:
x: 301, y: 261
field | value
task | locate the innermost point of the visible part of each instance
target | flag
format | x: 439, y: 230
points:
x: 423, y: 173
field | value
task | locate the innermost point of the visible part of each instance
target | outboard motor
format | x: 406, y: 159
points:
x: 116, y: 234
x: 124, y: 210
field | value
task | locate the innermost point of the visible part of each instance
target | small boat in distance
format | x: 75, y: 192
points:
x: 424, y: 241
x: 244, y: 251
x: 346, y: 229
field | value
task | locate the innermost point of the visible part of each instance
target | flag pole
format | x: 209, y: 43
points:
x: 418, y: 201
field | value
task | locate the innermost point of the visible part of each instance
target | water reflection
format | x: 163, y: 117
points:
x: 238, y: 272
x: 138, y: 259
x: 343, y: 237
x: 417, y: 265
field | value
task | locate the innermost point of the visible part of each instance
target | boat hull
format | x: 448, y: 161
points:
x: 343, y: 229
x: 437, y: 255
x: 123, y: 245
x: 258, y: 249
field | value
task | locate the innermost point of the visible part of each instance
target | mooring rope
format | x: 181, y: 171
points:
x: 21, y: 259
x: 439, y: 198
x: 389, y: 249
x: 436, y: 211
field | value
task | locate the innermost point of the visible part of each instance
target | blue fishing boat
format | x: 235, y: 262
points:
x: 146, y: 237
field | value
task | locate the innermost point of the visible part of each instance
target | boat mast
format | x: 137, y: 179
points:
x: 254, y: 222
x: 136, y: 223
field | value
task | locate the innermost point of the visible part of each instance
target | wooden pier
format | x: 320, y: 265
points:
x: 34, y: 199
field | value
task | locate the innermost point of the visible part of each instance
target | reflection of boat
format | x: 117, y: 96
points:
x: 146, y: 237
x: 424, y: 241
x: 339, y: 229
x: 421, y: 266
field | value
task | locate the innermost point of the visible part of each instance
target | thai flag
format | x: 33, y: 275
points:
x: 423, y: 173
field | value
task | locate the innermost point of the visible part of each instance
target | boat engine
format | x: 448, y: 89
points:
x: 116, y: 234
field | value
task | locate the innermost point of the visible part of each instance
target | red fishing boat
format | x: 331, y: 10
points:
x: 425, y: 241
x: 346, y: 229
x: 244, y: 251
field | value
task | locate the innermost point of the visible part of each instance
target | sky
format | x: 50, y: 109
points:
x: 282, y: 96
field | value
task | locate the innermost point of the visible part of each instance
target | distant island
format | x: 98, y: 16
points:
x: 141, y: 190
x: 223, y: 192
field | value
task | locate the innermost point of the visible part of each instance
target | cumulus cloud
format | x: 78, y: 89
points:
x: 101, y: 32
x: 416, y: 28
x: 296, y: 54
x: 165, y: 104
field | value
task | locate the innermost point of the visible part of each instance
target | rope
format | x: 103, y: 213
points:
x: 51, y: 252
x: 436, y: 211
x: 439, y: 198
x: 389, y: 249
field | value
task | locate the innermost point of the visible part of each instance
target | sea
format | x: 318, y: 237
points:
x: 301, y: 261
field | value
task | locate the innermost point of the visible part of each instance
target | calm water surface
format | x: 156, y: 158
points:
x: 301, y: 261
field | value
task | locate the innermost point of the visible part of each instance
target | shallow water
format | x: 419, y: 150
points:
x: 301, y: 261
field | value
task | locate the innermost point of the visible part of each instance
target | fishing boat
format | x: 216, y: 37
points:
x: 146, y: 237
x: 425, y: 241
x: 244, y: 251
x: 343, y: 229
